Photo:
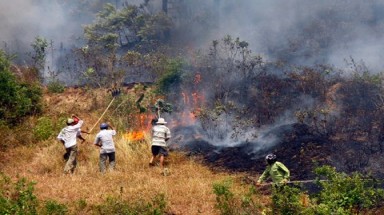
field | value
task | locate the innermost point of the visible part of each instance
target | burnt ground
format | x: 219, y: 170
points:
x: 299, y: 149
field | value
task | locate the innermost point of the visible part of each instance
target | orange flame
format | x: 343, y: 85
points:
x: 135, y: 135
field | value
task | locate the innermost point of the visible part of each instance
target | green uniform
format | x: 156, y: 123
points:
x: 276, y: 171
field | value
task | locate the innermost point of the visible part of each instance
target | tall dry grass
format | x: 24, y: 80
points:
x: 188, y: 189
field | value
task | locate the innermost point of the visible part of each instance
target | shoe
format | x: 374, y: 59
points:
x: 151, y: 164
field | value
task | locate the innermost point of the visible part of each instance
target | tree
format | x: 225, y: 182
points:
x: 17, y: 100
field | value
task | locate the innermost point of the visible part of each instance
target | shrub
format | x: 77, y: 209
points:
x: 157, y: 206
x: 17, y: 100
x: 229, y: 204
x: 171, y: 78
x: 286, y: 200
x: 224, y: 198
x: 17, y: 198
x: 344, y: 194
x: 54, y: 208
x: 43, y: 129
x: 55, y: 87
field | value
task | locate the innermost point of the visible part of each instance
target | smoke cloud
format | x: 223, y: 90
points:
x: 302, y: 32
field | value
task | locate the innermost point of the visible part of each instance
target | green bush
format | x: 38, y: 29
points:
x: 54, y: 208
x: 117, y: 206
x: 17, y: 100
x: 17, y: 198
x: 43, y: 129
x: 345, y: 194
x: 55, y: 87
x: 225, y: 201
x: 171, y: 78
x: 286, y: 200
x: 229, y: 204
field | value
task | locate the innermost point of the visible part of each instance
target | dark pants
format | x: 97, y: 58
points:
x: 103, y: 161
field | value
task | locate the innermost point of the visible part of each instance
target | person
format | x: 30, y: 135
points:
x: 276, y: 170
x: 68, y: 136
x: 104, y: 140
x: 160, y: 135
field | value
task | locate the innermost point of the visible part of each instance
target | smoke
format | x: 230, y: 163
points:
x: 299, y: 31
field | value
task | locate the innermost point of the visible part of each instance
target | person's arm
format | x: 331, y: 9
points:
x: 167, y: 135
x: 263, y: 176
x: 97, y: 141
x: 285, y: 170
x: 85, y: 132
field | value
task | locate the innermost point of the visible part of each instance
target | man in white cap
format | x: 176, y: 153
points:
x: 68, y: 137
x: 160, y: 136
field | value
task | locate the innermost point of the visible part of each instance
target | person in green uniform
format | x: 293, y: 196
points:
x: 275, y: 170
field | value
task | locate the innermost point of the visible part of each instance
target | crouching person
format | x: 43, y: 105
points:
x: 104, y: 140
x: 275, y: 170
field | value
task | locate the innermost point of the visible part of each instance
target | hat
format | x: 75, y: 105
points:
x: 161, y: 121
x: 103, y: 126
x: 70, y: 121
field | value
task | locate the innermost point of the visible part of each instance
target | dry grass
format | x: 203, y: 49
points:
x: 188, y: 189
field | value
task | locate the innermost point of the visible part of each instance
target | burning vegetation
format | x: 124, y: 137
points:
x: 228, y: 101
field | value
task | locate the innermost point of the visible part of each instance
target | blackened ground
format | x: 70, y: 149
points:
x: 299, y: 149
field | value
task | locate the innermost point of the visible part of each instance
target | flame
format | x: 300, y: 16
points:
x: 135, y: 135
x: 193, y: 102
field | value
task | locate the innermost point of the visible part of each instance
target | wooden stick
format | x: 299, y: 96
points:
x: 102, y: 115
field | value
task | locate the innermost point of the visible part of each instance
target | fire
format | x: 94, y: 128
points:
x: 193, y: 102
x: 135, y: 135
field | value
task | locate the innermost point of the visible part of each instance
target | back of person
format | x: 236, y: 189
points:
x: 159, y: 135
x: 105, y: 138
x: 69, y: 134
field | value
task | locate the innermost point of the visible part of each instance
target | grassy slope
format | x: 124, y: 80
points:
x: 188, y: 189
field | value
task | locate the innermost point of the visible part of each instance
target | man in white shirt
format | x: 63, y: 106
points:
x: 68, y: 137
x: 107, y: 147
x: 160, y: 135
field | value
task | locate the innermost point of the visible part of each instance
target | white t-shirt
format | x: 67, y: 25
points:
x: 159, y: 134
x: 69, y: 134
x: 105, y: 138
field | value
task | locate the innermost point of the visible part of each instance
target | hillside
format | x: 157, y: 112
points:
x: 187, y: 190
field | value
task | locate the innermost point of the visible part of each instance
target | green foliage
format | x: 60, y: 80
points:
x: 44, y: 128
x: 228, y: 203
x: 17, y: 198
x: 171, y: 79
x: 54, y: 208
x: 55, y: 87
x: 345, y: 194
x: 224, y: 198
x: 129, y: 26
x: 156, y: 206
x: 17, y: 100
x: 286, y: 200
x: 162, y: 107
x: 40, y: 51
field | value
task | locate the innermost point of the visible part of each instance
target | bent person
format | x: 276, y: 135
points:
x: 68, y: 137
x: 275, y: 170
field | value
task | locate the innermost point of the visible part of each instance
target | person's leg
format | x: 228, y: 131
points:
x: 155, y: 152
x: 71, y: 163
x: 102, y: 162
x: 161, y: 161
x: 112, y: 163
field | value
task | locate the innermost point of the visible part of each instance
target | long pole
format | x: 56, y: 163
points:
x: 102, y: 115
